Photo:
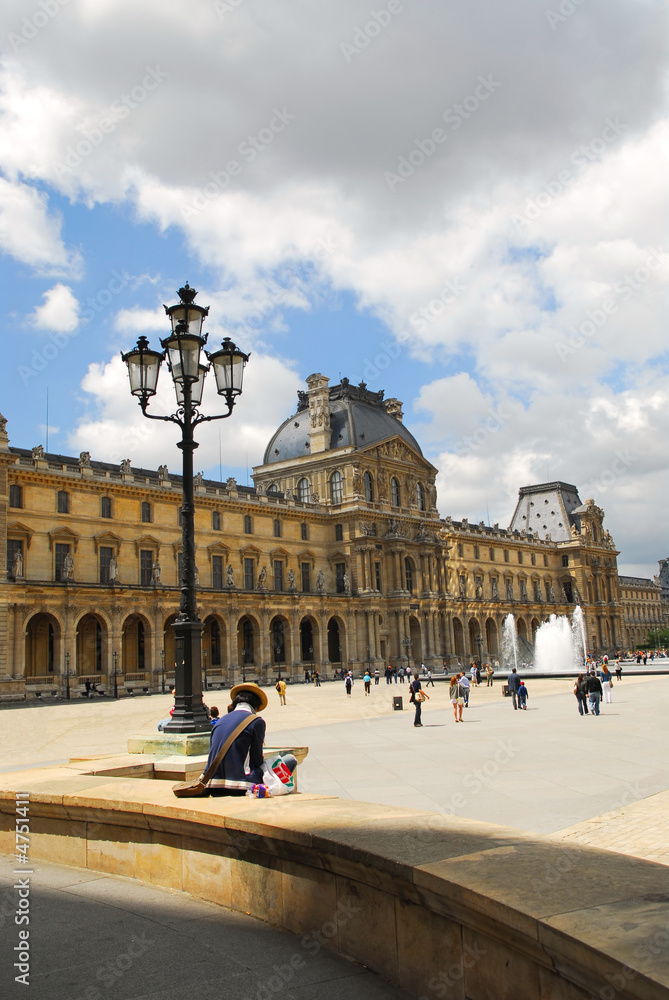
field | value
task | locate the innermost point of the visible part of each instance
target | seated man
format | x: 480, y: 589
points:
x: 242, y: 769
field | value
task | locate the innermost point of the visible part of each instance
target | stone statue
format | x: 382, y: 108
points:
x: 3, y: 424
x: 230, y: 576
x: 196, y: 575
x: 262, y: 579
x: 479, y: 589
x: 68, y: 567
x: 125, y: 466
x: 113, y: 569
x: 155, y: 573
x: 163, y: 473
x: 509, y: 590
x: 463, y: 587
x: 493, y: 587
x: 574, y: 531
x: 382, y: 486
x: 356, y: 480
x: 320, y: 581
x: 291, y: 580
x: 38, y: 452
x: 315, y: 498
x: 551, y: 593
x: 17, y: 565
x: 84, y: 460
x: 347, y: 583
x: 231, y: 484
x: 198, y: 480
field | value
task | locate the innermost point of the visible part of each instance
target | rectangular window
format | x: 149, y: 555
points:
x: 506, y: 555
x: 14, y: 546
x: 565, y: 560
x: 545, y: 559
x: 105, y: 558
x: 15, y: 496
x: 492, y: 555
x: 145, y: 567
x: 339, y: 532
x: 105, y: 507
x: 340, y: 570
x: 306, y: 577
x: 249, y: 572
x: 146, y: 512
x: 304, y: 532
x: 377, y: 575
x: 520, y: 557
x: 63, y: 503
x: 278, y: 574
x: 277, y: 528
x: 460, y: 549
x: 247, y: 524
x: 476, y: 552
x: 62, y: 551
x: 216, y: 520
x: 217, y: 572
x: 534, y: 559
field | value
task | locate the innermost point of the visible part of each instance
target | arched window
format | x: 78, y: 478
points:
x: 369, y: 487
x: 273, y: 488
x: 304, y: 490
x: 420, y: 496
x: 215, y: 644
x: 395, y: 494
x: 408, y: 575
x: 336, y: 487
x: 105, y: 507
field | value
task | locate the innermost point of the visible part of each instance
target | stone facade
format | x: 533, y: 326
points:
x: 642, y: 610
x: 337, y: 556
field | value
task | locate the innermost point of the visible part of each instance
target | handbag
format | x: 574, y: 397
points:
x: 420, y: 696
x: 193, y: 789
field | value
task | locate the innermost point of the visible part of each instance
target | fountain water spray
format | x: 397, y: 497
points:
x: 509, y: 643
x: 560, y: 645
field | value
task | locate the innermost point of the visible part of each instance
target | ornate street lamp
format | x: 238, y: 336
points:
x: 406, y: 642
x: 243, y: 666
x: 369, y: 660
x: 204, y: 668
x: 182, y: 350
x: 162, y: 671
x: 67, y: 676
x: 115, y: 674
x: 277, y: 657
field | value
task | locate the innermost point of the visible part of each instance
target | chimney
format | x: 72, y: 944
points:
x: 319, y: 413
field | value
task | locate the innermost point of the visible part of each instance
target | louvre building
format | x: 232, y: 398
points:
x: 337, y: 556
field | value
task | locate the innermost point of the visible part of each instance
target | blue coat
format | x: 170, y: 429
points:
x: 513, y: 682
x: 240, y: 768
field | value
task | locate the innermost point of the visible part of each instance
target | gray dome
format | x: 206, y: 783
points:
x: 357, y: 417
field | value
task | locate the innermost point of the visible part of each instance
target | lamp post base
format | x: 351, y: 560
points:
x: 189, y: 713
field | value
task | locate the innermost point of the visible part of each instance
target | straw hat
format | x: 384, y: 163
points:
x: 250, y: 686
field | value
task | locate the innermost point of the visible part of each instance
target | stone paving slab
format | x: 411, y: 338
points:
x: 640, y: 829
x: 97, y: 936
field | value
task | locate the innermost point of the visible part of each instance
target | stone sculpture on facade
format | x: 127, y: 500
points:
x: 291, y: 580
x: 85, y: 460
x: 320, y: 581
x: 68, y: 567
x: 125, y: 467
x: 229, y: 576
x: 163, y: 473
x: 262, y: 579
x: 17, y: 565
x: 113, y: 569
x: 155, y: 572
x: 38, y: 452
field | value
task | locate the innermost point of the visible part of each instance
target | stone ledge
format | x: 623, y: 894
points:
x: 491, y: 910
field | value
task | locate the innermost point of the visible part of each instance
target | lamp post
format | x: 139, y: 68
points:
x: 479, y: 644
x: 277, y: 657
x: 67, y: 676
x: 311, y: 657
x: 243, y: 666
x: 115, y: 674
x: 341, y: 665
x: 369, y: 660
x: 204, y: 668
x: 182, y: 349
x: 406, y: 642
x: 162, y: 671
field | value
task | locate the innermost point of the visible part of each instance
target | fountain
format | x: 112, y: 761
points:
x: 509, y: 643
x: 560, y: 645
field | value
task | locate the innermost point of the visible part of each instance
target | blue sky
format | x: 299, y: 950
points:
x: 466, y: 207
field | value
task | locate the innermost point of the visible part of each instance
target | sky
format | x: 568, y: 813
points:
x: 463, y: 204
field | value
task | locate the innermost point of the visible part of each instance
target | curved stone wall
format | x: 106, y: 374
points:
x: 445, y: 907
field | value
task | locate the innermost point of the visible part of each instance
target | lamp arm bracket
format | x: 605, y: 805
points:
x: 219, y: 416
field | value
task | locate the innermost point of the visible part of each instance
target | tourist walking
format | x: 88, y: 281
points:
x: 619, y: 669
x: 418, y: 696
x: 281, y: 691
x: 581, y: 692
x: 523, y: 695
x: 513, y: 683
x: 464, y: 684
x: 594, y: 689
x: 317, y: 679
x: 348, y: 684
x: 490, y: 673
x: 377, y: 674
x: 457, y: 697
x: 368, y: 683
x: 401, y: 675
x: 607, y: 683
x: 430, y: 679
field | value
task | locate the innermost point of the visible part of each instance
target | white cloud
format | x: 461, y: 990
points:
x: 30, y: 233
x: 60, y: 310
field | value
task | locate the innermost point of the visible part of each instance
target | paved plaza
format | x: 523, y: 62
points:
x: 602, y: 781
